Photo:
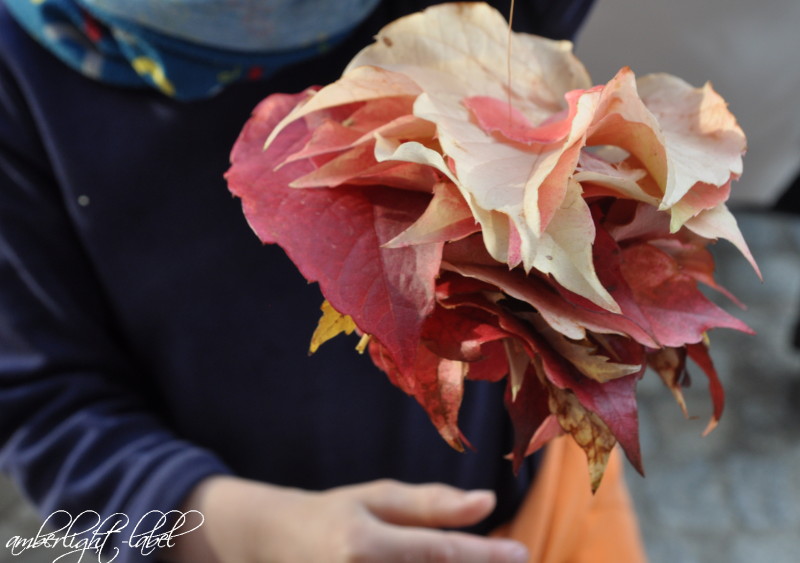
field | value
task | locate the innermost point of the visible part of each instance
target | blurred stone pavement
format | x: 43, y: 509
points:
x: 731, y: 497
x: 734, y: 495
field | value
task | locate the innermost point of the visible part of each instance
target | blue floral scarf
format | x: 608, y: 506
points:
x: 187, y: 49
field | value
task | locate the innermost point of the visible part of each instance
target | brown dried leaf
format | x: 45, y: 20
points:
x: 587, y: 429
x: 670, y: 365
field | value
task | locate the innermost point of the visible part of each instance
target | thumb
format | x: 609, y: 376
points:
x: 429, y: 505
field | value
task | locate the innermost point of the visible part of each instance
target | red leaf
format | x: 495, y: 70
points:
x: 387, y: 292
x: 699, y: 354
x: 631, y: 321
x: 566, y: 318
x: 460, y: 333
x: 548, y: 430
x: 614, y: 401
x: 436, y: 384
x: 695, y: 260
x: 493, y: 366
x: 528, y: 411
x: 677, y: 312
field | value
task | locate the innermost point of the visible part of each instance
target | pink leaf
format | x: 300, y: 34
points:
x: 496, y: 115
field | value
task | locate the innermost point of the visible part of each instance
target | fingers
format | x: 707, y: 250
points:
x: 430, y: 505
x: 392, y: 544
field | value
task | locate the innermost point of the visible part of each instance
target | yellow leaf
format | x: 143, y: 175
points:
x: 332, y: 323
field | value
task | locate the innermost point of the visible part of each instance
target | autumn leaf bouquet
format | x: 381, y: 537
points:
x: 475, y: 209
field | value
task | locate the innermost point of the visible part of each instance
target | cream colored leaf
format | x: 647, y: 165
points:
x: 622, y: 120
x: 615, y: 177
x: 462, y: 48
x: 494, y: 178
x: 703, y: 140
x: 720, y: 223
x: 447, y: 217
x: 565, y: 251
x: 362, y: 84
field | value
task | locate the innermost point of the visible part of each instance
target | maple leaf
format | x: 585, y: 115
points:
x: 612, y: 402
x: 570, y: 319
x: 670, y: 364
x: 719, y: 222
x: 622, y: 120
x: 362, y: 84
x: 589, y: 356
x: 456, y: 334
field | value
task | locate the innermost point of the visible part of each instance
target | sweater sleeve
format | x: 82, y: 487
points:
x: 78, y: 428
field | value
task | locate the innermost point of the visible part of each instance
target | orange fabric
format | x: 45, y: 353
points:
x: 562, y: 522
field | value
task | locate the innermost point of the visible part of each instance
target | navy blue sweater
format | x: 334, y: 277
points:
x: 148, y: 339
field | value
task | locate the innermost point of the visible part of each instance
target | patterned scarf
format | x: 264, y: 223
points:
x: 187, y: 49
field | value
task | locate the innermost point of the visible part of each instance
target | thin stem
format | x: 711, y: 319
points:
x: 508, y: 59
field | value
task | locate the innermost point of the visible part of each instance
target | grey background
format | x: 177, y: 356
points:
x: 733, y: 496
